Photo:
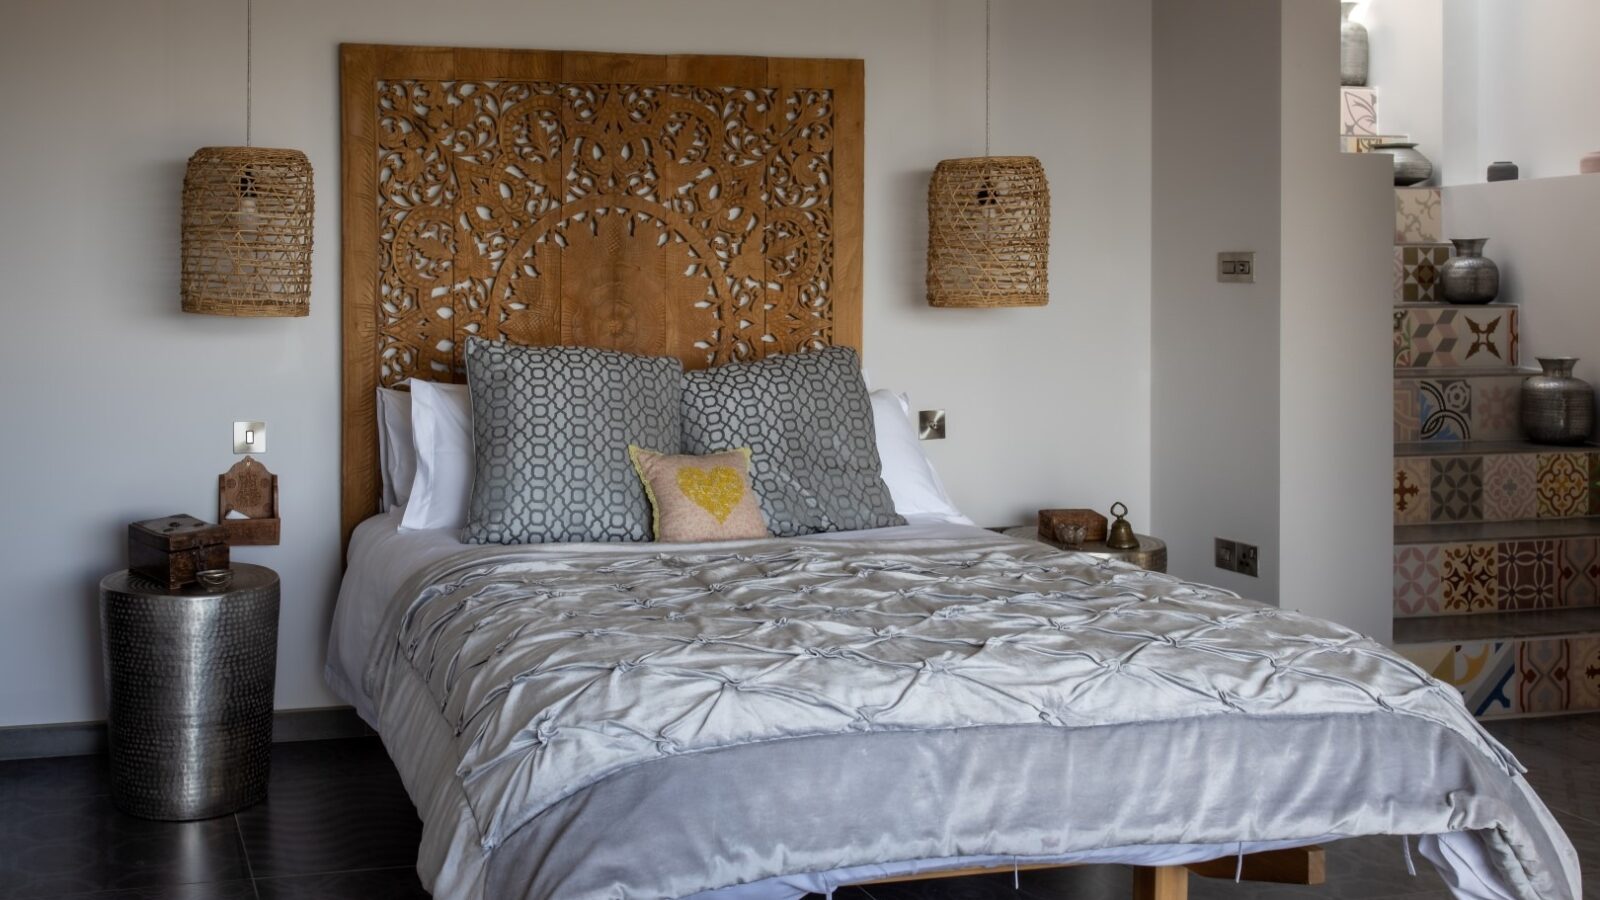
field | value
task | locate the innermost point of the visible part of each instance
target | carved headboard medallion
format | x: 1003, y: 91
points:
x: 703, y: 207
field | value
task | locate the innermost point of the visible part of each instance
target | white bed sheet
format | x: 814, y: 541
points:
x: 382, y: 557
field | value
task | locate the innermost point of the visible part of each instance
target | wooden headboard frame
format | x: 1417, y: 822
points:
x: 707, y: 207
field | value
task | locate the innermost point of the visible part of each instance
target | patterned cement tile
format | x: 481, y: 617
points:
x: 1455, y: 489
x: 1411, y: 498
x: 1445, y: 409
x: 1526, y: 571
x: 1564, y: 488
x: 1510, y: 487
x: 1417, y: 581
x: 1470, y: 577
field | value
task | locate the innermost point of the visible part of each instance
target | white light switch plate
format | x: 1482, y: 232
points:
x: 249, y: 437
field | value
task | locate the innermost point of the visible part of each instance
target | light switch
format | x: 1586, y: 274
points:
x: 930, y: 424
x: 1238, y: 268
x: 249, y: 437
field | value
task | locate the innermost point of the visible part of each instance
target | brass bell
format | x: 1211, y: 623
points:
x: 1121, y: 536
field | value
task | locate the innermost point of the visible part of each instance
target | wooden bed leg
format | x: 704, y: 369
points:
x: 1162, y: 883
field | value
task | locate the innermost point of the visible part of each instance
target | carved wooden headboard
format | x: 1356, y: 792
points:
x: 707, y: 207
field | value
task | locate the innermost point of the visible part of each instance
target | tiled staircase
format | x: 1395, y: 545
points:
x: 1497, y: 540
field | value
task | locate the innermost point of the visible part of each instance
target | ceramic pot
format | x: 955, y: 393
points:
x: 1590, y: 164
x: 1352, y: 49
x: 1410, y: 166
x: 1469, y: 276
x: 1503, y: 171
x: 1556, y: 407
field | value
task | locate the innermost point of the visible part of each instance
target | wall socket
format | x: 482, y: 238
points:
x: 1236, y: 556
x: 1237, y: 267
x: 930, y: 424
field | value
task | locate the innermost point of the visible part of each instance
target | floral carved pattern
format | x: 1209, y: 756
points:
x: 690, y: 220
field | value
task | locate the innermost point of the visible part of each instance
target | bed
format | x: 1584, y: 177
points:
x: 767, y: 718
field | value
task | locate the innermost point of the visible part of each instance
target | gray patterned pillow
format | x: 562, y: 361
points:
x: 807, y: 420
x: 551, y: 428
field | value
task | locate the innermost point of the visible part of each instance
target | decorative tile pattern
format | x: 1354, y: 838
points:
x: 1578, y: 572
x: 1417, y: 581
x: 1510, y: 487
x: 1527, y: 575
x: 1484, y: 672
x: 1594, y: 484
x: 1583, y: 673
x: 1564, y: 488
x: 1455, y: 338
x: 1496, y: 408
x: 1417, y: 271
x: 1446, y: 410
x: 1411, y: 501
x: 1417, y: 215
x: 1407, y: 412
x: 1358, y: 111
x: 1542, y: 676
x: 1366, y: 143
x: 1470, y: 578
x: 1455, y: 488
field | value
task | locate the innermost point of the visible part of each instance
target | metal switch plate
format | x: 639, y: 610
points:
x: 1236, y: 268
x: 249, y: 437
x: 1227, y: 555
x: 930, y: 424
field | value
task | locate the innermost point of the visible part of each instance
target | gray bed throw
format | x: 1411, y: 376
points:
x: 634, y: 722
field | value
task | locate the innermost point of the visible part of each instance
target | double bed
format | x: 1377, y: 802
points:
x: 766, y: 718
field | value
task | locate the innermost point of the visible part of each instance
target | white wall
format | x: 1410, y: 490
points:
x: 1336, y: 430
x: 120, y: 407
x: 1542, y: 234
x: 1407, y: 68
x: 1537, y: 76
x: 1270, y: 405
x: 1215, y: 399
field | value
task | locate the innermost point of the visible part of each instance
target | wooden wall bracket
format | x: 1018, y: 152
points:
x: 251, y: 491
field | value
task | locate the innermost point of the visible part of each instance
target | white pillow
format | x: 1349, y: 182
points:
x: 441, y: 429
x: 912, y: 481
x: 397, y: 451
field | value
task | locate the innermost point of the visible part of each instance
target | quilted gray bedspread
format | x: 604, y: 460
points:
x: 1014, y: 700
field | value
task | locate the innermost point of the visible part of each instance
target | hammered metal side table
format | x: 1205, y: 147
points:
x: 189, y: 687
x: 1150, y: 554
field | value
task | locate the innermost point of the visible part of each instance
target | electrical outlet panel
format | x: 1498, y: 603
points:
x: 1247, y: 561
x: 1237, y: 268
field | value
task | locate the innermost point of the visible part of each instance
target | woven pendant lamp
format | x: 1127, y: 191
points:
x: 247, y: 226
x: 988, y: 225
x: 247, y: 232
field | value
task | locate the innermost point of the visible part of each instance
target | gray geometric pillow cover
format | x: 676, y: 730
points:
x: 807, y: 420
x: 551, y: 428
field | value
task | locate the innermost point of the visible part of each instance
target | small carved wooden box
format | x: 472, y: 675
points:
x: 247, y: 503
x: 171, y: 549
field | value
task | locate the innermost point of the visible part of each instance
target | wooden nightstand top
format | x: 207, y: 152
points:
x: 1150, y: 554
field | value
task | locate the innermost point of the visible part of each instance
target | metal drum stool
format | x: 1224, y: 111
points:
x: 189, y: 687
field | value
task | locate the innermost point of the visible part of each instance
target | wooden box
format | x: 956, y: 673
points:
x: 171, y: 549
x: 1051, y: 520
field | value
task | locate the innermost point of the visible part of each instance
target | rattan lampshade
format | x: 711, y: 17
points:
x: 247, y: 232
x: 988, y: 232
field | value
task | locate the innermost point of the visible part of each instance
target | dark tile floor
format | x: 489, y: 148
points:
x: 337, y: 826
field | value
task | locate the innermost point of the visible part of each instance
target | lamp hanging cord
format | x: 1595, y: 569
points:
x: 988, y: 5
x: 249, y: 41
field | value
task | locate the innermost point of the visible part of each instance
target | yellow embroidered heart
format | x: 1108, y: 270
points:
x: 716, y: 490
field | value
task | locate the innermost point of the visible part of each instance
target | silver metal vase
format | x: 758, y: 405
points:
x: 1410, y: 166
x: 1469, y: 276
x: 1352, y: 49
x: 1557, y: 408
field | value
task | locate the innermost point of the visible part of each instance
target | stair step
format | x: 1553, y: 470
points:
x: 1430, y: 335
x: 1538, y: 623
x: 1364, y: 143
x: 1439, y: 304
x: 1441, y: 571
x: 1513, y: 484
x: 1525, y: 663
x: 1484, y: 448
x: 1476, y: 373
x: 1496, y: 532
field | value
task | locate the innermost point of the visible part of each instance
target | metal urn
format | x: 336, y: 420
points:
x: 1353, y: 49
x: 1557, y: 408
x: 1121, y: 536
x: 1469, y: 276
x: 1410, y: 166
